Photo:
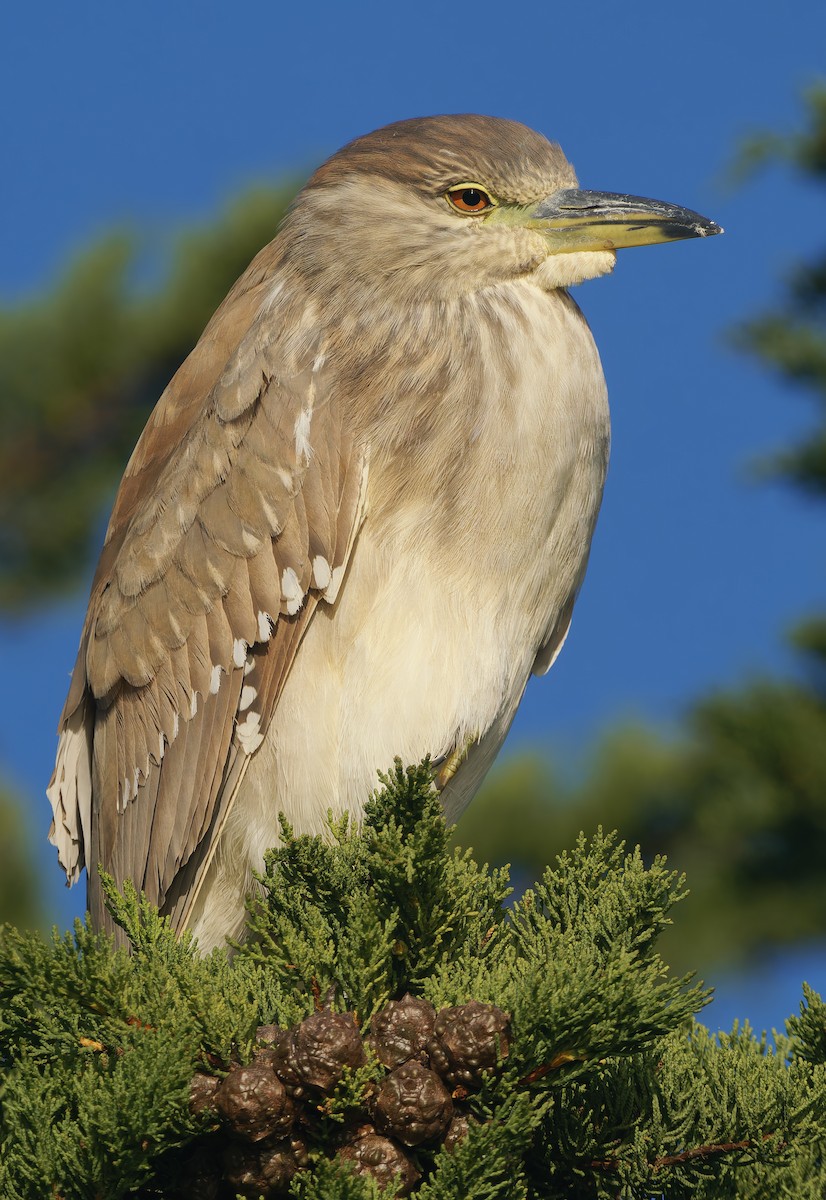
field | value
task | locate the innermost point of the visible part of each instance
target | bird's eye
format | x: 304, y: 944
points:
x: 470, y: 198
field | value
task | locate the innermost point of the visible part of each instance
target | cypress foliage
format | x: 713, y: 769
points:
x: 600, y: 1084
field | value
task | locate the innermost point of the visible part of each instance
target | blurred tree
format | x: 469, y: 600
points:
x: 738, y: 800
x: 18, y: 892
x: 792, y: 339
x: 81, y: 368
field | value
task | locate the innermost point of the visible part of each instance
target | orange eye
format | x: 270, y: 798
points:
x: 470, y: 198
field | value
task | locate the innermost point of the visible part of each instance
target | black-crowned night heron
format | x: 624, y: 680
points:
x: 357, y: 519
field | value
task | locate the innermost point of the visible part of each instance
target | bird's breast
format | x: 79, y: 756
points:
x: 500, y: 492
x: 475, y: 539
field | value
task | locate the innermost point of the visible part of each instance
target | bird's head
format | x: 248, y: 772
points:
x: 440, y: 206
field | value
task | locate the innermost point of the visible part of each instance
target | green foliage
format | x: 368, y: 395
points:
x: 99, y: 1049
x: 637, y: 1136
x: 608, y: 1088
x: 574, y: 964
x: 808, y: 1031
x: 331, y: 1182
x: 393, y: 908
x: 735, y: 800
x: 736, y: 797
x: 490, y: 1163
x: 804, y: 150
x: 80, y: 370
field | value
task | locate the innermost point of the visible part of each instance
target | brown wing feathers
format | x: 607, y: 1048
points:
x: 257, y: 504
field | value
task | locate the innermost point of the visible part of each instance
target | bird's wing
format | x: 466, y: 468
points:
x: 236, y: 516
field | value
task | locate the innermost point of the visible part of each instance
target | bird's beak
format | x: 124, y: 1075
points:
x: 572, y: 220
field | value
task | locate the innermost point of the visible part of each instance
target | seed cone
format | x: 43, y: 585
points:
x: 413, y: 1105
x: 254, y: 1104
x: 202, y: 1092
x: 315, y: 1053
x: 457, y: 1130
x: 383, y: 1159
x: 468, y: 1040
x: 402, y: 1030
x: 263, y: 1170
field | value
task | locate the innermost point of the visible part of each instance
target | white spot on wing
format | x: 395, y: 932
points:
x: 270, y: 513
x: 249, y: 540
x: 273, y: 295
x: 249, y: 733
x: 239, y: 652
x: 336, y: 576
x: 303, y: 449
x: 264, y: 627
x: 193, y: 705
x: 322, y: 573
x: 215, y: 680
x: 291, y: 590
x: 248, y: 694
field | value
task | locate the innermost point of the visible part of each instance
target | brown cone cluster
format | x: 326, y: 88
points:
x: 381, y: 1157
x: 468, y: 1040
x: 268, y: 1112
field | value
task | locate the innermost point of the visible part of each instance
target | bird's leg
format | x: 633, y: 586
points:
x: 450, y: 764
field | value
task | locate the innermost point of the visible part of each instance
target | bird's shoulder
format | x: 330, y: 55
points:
x: 217, y: 474
x: 186, y: 396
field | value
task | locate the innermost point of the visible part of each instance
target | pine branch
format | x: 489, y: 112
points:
x: 390, y: 1027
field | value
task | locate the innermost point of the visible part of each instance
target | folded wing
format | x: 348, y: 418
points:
x: 235, y: 519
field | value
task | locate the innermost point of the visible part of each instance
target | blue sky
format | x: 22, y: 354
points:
x: 154, y: 115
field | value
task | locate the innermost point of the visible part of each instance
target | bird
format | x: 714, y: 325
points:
x: 357, y: 519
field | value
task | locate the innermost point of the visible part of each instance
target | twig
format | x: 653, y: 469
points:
x: 672, y: 1160
x: 559, y: 1060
